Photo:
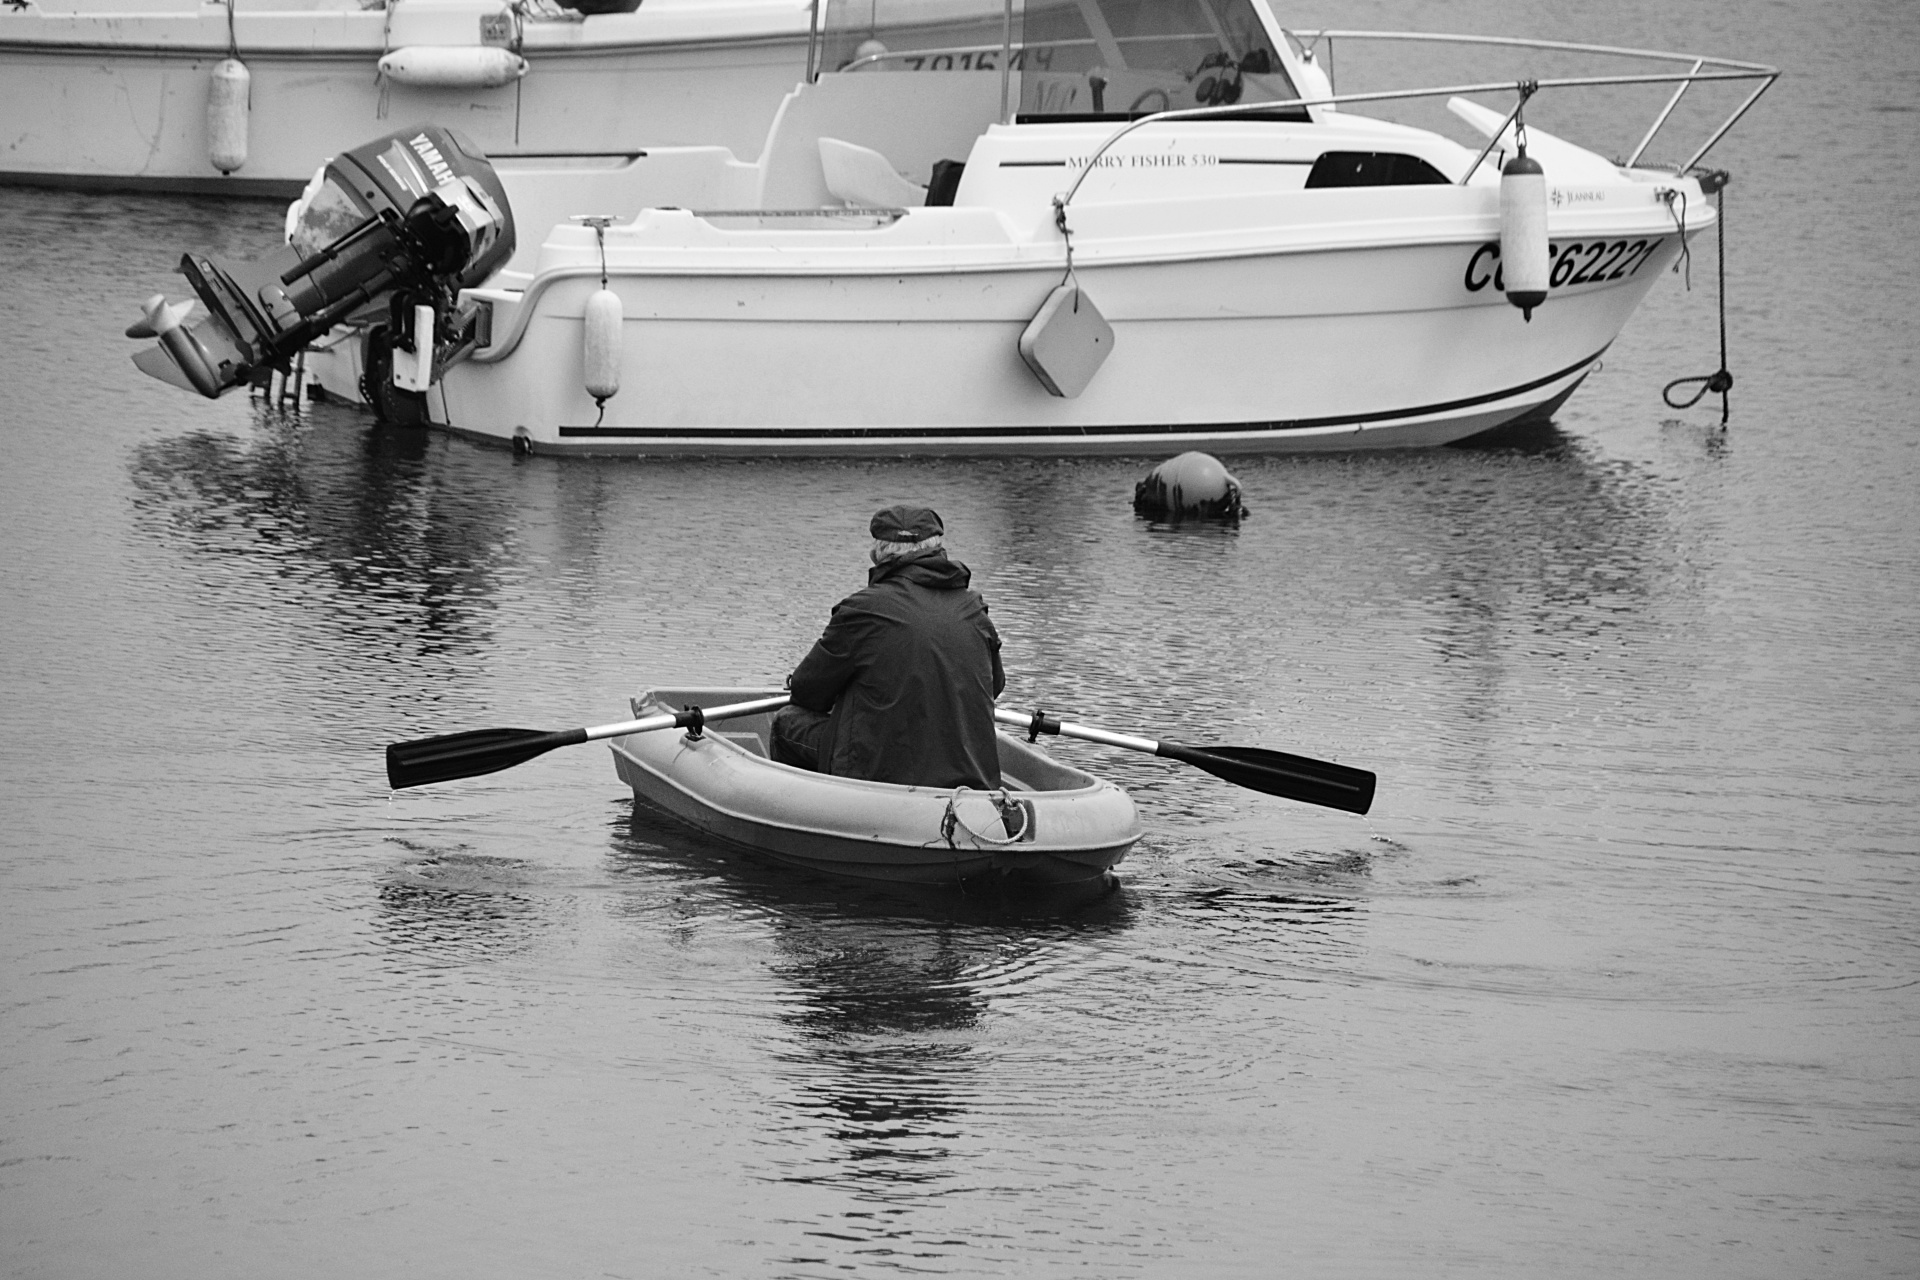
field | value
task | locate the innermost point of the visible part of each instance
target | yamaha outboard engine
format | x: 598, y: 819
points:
x: 391, y: 230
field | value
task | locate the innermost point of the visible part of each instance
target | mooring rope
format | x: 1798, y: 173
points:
x: 952, y: 821
x: 1714, y: 183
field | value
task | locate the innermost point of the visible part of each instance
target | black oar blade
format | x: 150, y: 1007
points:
x: 1334, y: 786
x: 470, y: 754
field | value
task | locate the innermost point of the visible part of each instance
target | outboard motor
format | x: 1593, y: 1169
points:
x: 390, y: 231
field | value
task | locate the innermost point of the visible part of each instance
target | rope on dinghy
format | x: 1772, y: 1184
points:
x: 951, y: 821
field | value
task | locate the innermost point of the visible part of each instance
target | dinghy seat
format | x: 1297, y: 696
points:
x: 862, y: 178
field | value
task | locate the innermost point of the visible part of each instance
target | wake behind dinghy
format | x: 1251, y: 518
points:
x: 385, y: 237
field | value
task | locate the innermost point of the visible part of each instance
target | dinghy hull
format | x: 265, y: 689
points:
x: 1053, y: 825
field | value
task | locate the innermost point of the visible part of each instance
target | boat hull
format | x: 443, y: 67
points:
x: 119, y: 101
x: 1071, y: 828
x: 1283, y: 351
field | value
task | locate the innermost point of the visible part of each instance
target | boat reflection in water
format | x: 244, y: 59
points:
x: 360, y: 526
x: 882, y: 996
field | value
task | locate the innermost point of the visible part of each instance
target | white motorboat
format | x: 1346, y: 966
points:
x: 1066, y: 226
x: 250, y: 97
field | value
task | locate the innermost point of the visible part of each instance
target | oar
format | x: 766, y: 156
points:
x: 1275, y: 772
x: 478, y: 751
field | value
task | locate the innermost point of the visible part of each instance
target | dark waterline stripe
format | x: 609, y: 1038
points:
x: 1135, y: 429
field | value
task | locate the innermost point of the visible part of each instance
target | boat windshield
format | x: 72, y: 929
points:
x: 1069, y: 59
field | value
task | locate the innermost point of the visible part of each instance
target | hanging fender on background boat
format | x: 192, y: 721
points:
x: 1524, y: 258
x: 229, y: 94
x: 600, y: 345
x: 453, y: 66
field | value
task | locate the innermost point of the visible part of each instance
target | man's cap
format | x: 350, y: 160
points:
x: 906, y: 524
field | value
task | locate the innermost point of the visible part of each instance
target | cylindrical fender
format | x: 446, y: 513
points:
x: 1524, y: 260
x: 600, y: 350
x: 229, y: 91
x: 427, y: 66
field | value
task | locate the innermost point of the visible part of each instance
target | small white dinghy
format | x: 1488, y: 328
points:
x: 1051, y: 824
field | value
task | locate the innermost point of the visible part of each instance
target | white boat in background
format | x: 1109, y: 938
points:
x: 250, y: 97
x: 1069, y: 226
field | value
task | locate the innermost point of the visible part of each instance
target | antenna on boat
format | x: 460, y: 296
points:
x: 1006, y: 63
x: 813, y: 41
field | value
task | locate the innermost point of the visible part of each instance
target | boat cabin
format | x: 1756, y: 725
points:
x: 1004, y: 104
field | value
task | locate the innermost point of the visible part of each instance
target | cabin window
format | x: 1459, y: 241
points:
x: 1372, y: 169
x: 1072, y: 59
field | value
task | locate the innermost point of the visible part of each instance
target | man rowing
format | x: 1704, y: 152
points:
x: 900, y: 686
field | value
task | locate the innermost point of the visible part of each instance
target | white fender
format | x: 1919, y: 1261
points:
x: 229, y: 91
x: 600, y: 345
x: 477, y: 66
x: 1524, y: 259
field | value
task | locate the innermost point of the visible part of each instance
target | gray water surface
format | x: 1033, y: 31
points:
x: 1617, y: 978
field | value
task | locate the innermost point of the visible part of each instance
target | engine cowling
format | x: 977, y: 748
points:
x: 403, y: 222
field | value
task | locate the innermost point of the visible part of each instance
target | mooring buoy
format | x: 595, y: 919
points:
x: 1189, y: 486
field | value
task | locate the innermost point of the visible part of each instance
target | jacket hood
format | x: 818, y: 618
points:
x: 932, y: 570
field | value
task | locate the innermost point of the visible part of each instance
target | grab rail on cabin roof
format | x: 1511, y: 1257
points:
x: 1723, y: 69
x: 1527, y: 88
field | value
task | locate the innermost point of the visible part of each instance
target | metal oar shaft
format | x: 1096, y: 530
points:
x: 1049, y: 725
x: 678, y: 719
x: 1276, y: 773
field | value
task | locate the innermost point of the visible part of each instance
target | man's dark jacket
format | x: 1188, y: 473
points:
x: 909, y: 667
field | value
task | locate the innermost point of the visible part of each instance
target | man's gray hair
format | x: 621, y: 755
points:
x: 884, y: 551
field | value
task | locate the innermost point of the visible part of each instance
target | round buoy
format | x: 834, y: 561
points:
x: 1193, y: 484
x: 228, y: 92
x: 1524, y: 259
x: 600, y: 345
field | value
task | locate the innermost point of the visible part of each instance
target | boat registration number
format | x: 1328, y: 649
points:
x: 1574, y: 262
x: 1039, y: 58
